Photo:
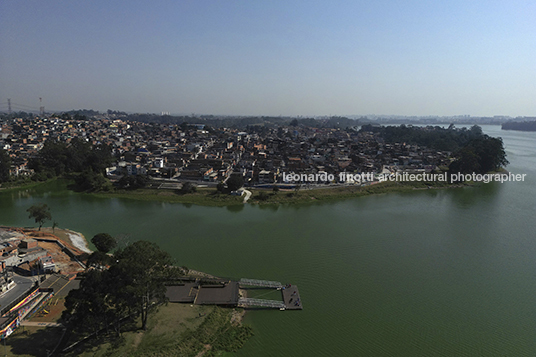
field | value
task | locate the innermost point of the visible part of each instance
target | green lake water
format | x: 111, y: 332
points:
x: 427, y: 273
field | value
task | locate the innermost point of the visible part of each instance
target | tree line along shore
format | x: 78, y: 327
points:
x: 205, y: 196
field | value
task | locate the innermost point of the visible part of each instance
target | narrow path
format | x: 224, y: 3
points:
x: 248, y: 195
x: 40, y: 324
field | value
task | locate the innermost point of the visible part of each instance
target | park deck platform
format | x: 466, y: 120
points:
x: 218, y: 294
x: 182, y: 293
x: 291, y: 297
x: 226, y: 293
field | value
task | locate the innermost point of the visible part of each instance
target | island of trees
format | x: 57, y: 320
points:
x: 520, y: 125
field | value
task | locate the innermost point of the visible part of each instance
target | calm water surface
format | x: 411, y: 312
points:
x: 426, y: 273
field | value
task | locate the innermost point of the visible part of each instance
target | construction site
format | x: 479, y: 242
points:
x: 37, y: 270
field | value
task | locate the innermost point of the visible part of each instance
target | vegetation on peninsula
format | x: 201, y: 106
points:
x: 128, y: 294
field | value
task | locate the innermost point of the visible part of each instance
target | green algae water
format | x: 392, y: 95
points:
x: 426, y: 273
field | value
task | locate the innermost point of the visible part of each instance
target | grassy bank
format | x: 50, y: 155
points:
x: 174, y: 330
x: 203, y: 196
x: 337, y: 193
x: 211, y: 197
x: 21, y: 185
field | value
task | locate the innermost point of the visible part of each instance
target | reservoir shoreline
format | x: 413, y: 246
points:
x: 210, y: 197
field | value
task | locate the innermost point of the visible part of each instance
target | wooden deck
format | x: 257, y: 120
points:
x: 226, y: 293
x: 291, y: 297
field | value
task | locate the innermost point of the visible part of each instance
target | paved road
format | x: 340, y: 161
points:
x: 22, y: 285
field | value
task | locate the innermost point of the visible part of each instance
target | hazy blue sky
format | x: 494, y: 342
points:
x: 271, y: 57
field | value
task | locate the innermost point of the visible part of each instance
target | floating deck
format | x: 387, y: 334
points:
x: 186, y: 292
x: 226, y: 293
x: 291, y: 297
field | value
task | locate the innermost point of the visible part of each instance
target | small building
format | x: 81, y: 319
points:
x: 27, y: 244
x: 266, y: 176
x: 47, y: 265
x: 158, y: 163
x: 7, y: 249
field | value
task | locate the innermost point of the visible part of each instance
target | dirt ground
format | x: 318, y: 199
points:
x: 54, y: 307
x: 59, y: 234
x: 64, y: 263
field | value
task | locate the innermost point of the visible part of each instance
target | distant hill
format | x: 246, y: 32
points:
x: 520, y: 125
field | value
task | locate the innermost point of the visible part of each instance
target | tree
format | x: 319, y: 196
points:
x: 58, y: 158
x: 104, y: 242
x: 480, y: 155
x: 141, y: 269
x: 100, y: 158
x: 90, y: 181
x: 467, y: 161
x: 133, y: 182
x: 52, y: 159
x: 94, y: 305
x: 476, y: 131
x: 235, y: 182
x: 77, y: 154
x: 188, y: 187
x: 133, y: 282
x: 99, y: 259
x: 491, y: 153
x: 5, y: 165
x: 40, y: 212
x: 84, y: 306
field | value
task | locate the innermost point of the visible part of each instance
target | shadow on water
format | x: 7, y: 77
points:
x: 235, y: 208
x: 270, y: 207
x: 468, y: 197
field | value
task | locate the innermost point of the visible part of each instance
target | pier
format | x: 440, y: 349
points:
x: 226, y: 293
x: 275, y: 304
x: 290, y: 295
x: 260, y: 283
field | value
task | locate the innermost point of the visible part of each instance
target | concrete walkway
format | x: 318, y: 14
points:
x: 248, y: 195
x: 40, y: 324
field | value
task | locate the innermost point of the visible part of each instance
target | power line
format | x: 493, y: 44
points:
x: 23, y: 105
